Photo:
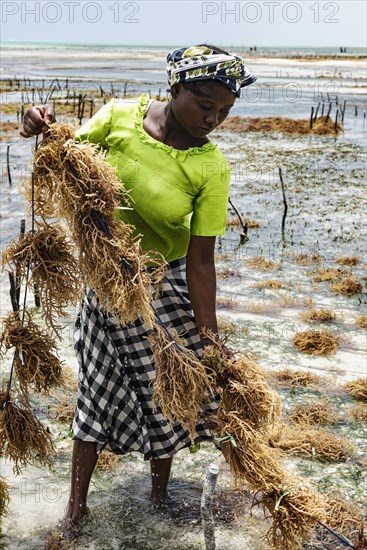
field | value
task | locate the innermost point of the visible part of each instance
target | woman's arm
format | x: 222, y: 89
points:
x: 201, y: 281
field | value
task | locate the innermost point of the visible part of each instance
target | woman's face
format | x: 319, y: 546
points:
x: 201, y: 114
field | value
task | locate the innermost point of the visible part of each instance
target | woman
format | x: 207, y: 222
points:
x: 179, y: 185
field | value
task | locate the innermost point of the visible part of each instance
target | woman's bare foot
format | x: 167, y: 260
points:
x: 76, y: 514
x: 65, y: 533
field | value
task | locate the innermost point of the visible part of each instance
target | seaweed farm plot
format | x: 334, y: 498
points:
x: 295, y: 302
x: 276, y: 282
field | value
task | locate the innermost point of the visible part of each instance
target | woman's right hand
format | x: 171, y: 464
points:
x: 37, y: 120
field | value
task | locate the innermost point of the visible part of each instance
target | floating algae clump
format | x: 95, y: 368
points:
x: 316, y: 413
x: 359, y: 412
x: 35, y: 360
x: 347, y: 287
x: 259, y: 262
x: 54, y: 269
x: 107, y: 461
x: 73, y: 180
x: 316, y: 342
x: 226, y: 302
x: 348, y: 260
x: 312, y: 442
x: 328, y: 274
x: 228, y: 329
x: 271, y: 283
x: 251, y: 224
x: 63, y: 411
x: 319, y: 316
x: 322, y: 126
x: 293, y: 378
x: 306, y: 259
x: 357, y: 388
x: 361, y: 321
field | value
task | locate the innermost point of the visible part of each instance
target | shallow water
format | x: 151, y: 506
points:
x: 324, y: 181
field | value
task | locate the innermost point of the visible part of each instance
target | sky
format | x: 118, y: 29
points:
x: 171, y: 22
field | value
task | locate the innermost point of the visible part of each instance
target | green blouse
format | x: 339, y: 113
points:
x: 175, y: 193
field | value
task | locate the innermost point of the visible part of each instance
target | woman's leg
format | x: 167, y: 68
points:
x: 160, y: 470
x: 83, y: 462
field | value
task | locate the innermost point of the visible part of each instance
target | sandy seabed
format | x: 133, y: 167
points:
x: 324, y: 181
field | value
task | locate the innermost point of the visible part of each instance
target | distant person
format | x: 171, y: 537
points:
x: 179, y: 189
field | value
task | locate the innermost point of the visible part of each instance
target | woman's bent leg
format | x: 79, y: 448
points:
x: 160, y: 470
x: 84, y: 460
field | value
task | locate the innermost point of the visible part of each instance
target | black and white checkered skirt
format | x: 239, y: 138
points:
x: 115, y: 407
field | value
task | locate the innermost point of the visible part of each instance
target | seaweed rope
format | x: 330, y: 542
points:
x: 7, y: 400
x: 122, y: 258
x: 128, y: 267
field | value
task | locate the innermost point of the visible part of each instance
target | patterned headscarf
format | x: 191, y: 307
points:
x: 203, y: 63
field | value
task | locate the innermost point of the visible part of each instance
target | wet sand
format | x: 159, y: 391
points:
x: 324, y: 181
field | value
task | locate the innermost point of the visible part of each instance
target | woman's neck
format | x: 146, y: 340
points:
x: 161, y: 124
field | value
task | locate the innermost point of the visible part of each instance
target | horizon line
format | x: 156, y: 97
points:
x: 84, y: 43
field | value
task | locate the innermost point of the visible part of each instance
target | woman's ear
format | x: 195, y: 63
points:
x: 175, y: 89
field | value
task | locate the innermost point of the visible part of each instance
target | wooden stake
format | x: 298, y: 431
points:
x: 13, y: 292
x: 79, y: 105
x: 206, y: 506
x: 317, y: 110
x: 244, y: 237
x: 311, y: 118
x: 343, y: 110
x: 8, y: 163
x: 285, y: 208
x: 81, y: 112
x: 329, y: 111
x: 336, y: 120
